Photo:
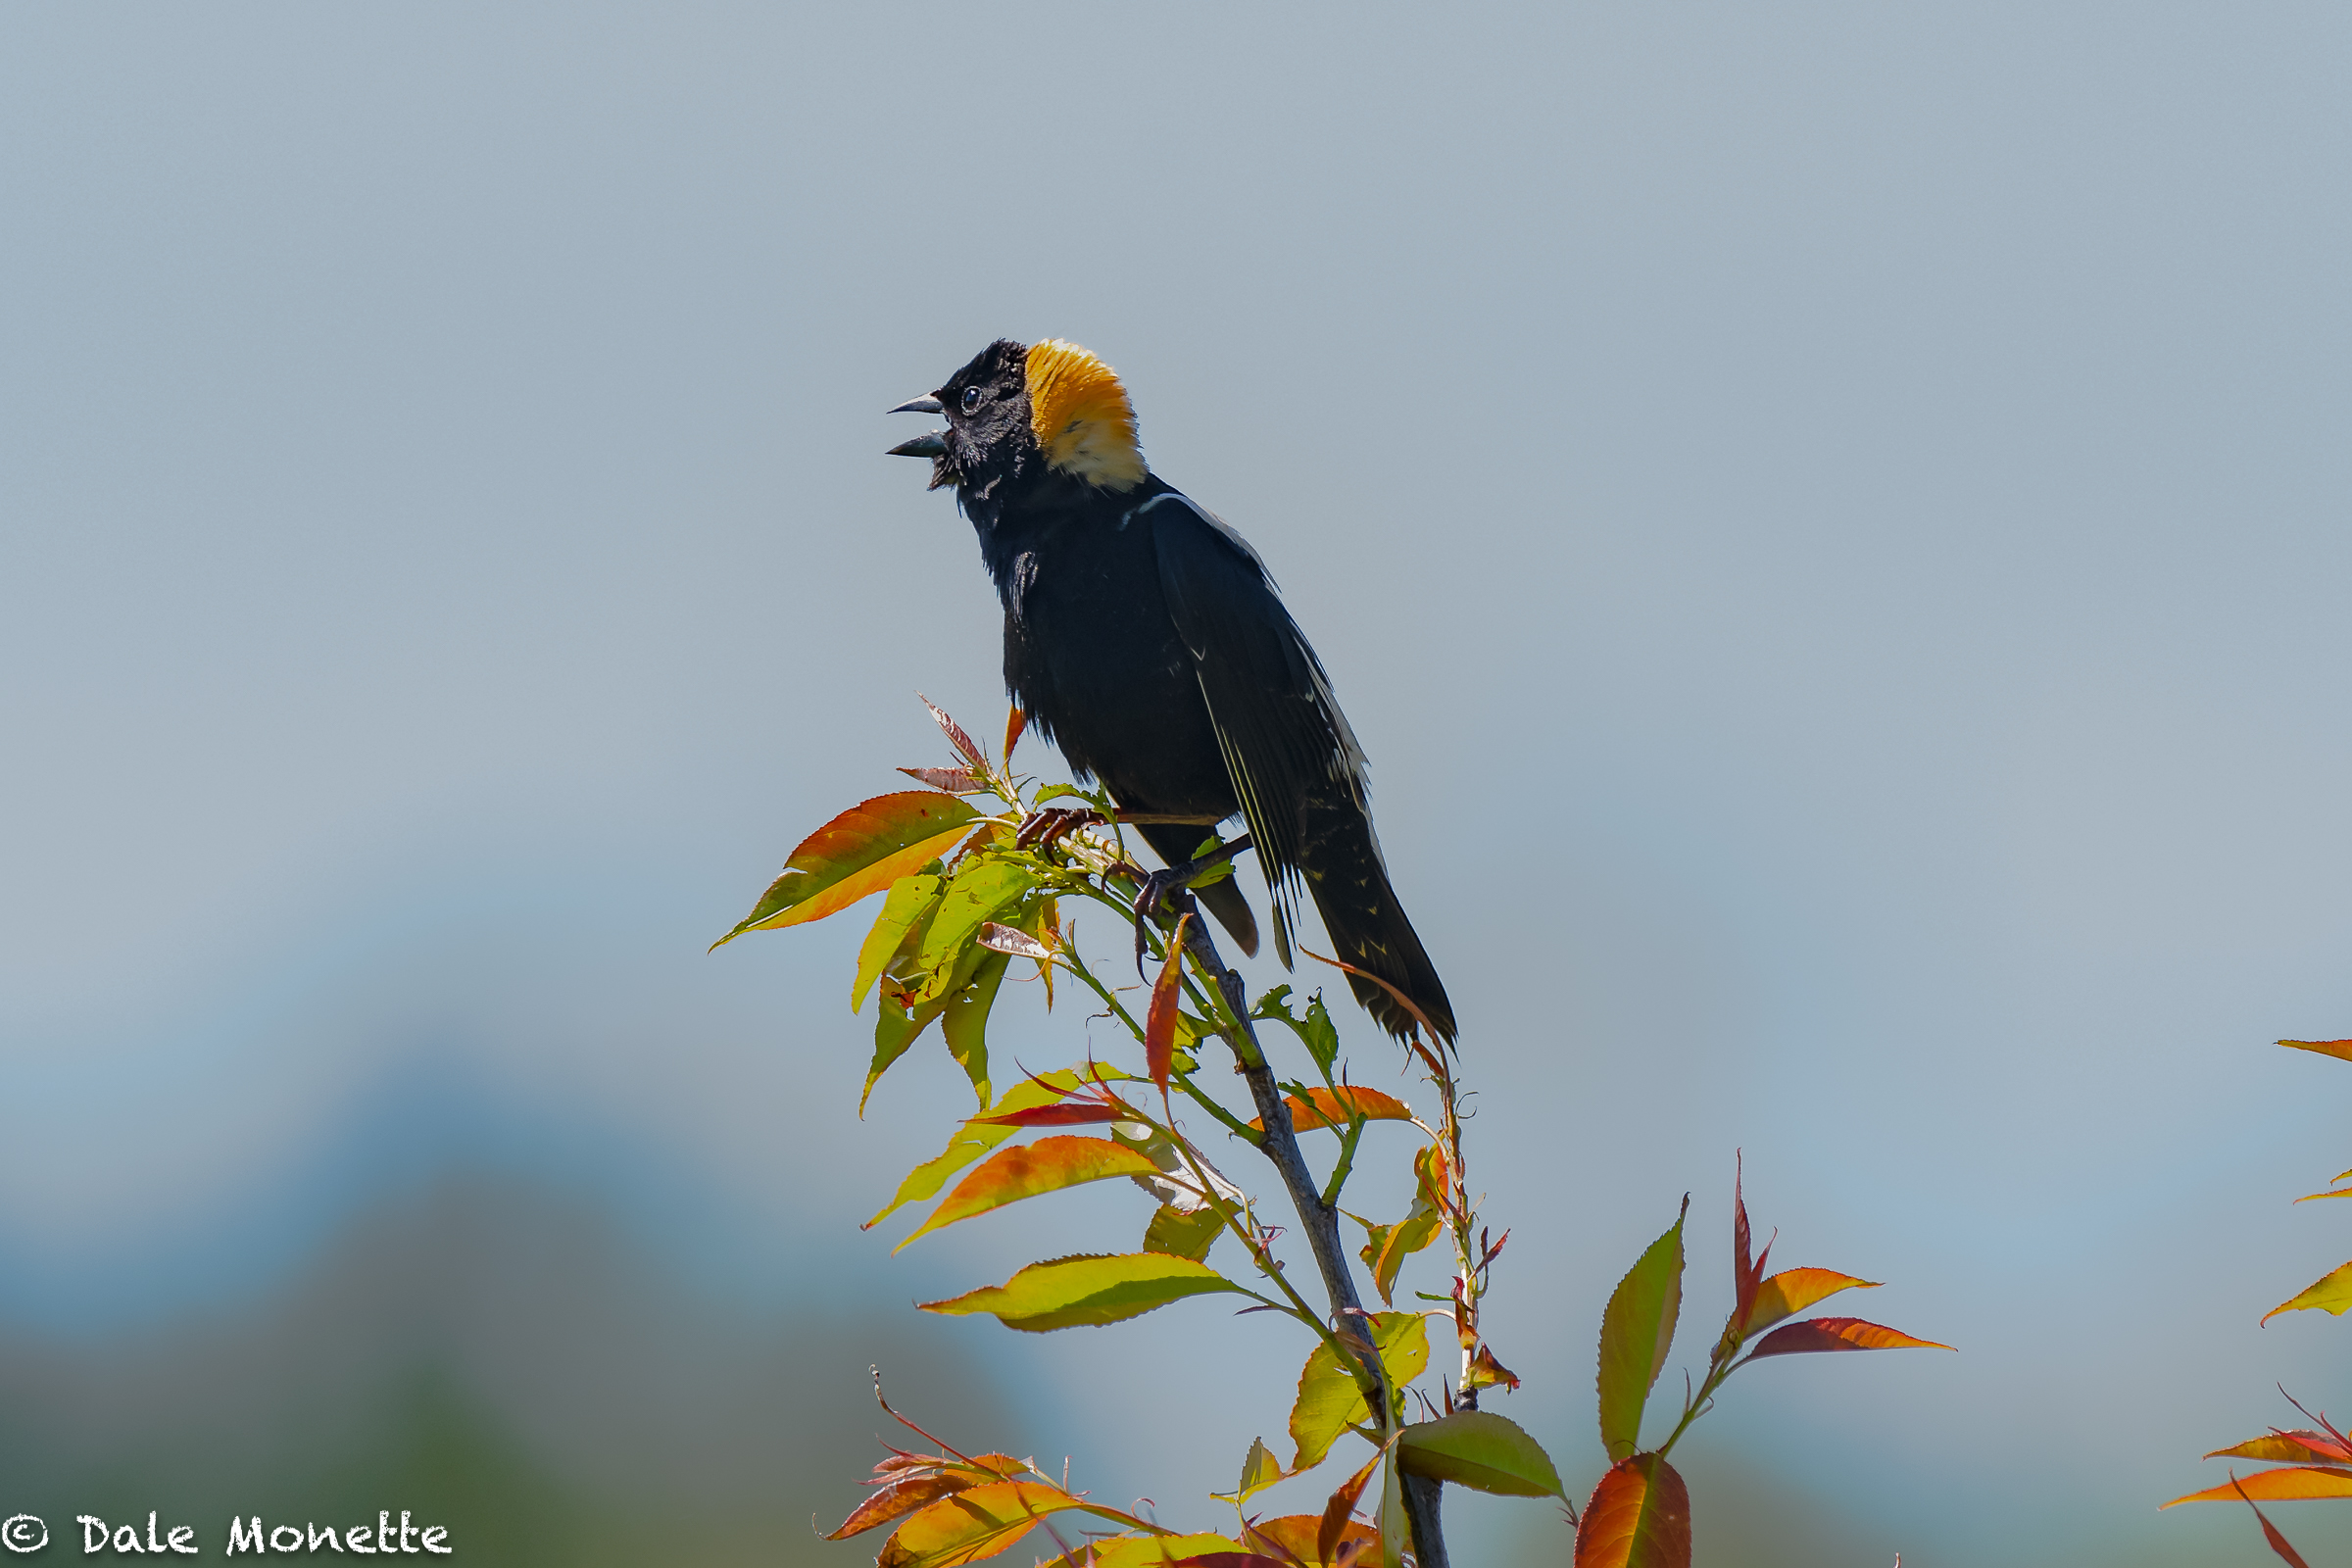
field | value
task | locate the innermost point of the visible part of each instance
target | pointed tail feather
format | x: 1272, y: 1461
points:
x: 1339, y: 858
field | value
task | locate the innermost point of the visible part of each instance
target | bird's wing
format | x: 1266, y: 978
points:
x: 1284, y: 737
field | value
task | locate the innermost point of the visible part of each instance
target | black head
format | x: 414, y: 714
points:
x: 1019, y: 413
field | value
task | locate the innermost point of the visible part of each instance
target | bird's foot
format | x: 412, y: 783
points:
x: 1046, y: 823
x: 1159, y: 886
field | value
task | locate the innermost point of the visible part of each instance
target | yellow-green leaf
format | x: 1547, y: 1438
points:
x: 911, y: 902
x: 1792, y: 1290
x: 1259, y: 1470
x: 976, y: 1138
x: 863, y: 851
x: 1184, y: 1235
x: 965, y: 1022
x: 1089, y: 1290
x: 1481, y: 1451
x: 1046, y: 1166
x: 899, y: 1018
x: 1152, y: 1551
x: 2331, y: 1294
x: 1636, y: 1330
x: 973, y: 898
x: 1330, y: 1402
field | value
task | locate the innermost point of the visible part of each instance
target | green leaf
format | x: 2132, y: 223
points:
x: 1636, y: 1333
x: 2331, y: 1294
x: 1046, y: 1166
x: 1181, y: 1234
x: 974, y: 896
x: 1483, y: 1451
x: 1328, y: 1401
x: 863, y: 851
x: 1319, y: 1034
x: 897, y: 1025
x: 965, y: 1021
x: 1089, y: 1290
x: 911, y: 901
x: 1394, y: 1533
x: 976, y: 1138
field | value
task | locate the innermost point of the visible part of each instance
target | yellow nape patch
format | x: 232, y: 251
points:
x: 1082, y: 418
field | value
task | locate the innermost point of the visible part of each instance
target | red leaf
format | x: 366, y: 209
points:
x: 969, y: 747
x: 2269, y: 1532
x: 954, y: 780
x: 1341, y: 1506
x: 1160, y: 1024
x: 1746, y: 1273
x: 1069, y: 1113
x: 1837, y: 1334
x: 1016, y: 722
x: 1638, y: 1517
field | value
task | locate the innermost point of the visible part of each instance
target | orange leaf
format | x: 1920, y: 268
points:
x: 2288, y: 1446
x: 1028, y: 1169
x: 1837, y: 1334
x: 2297, y: 1483
x: 1791, y: 1291
x: 1291, y: 1539
x: 863, y: 851
x: 977, y: 1523
x: 1160, y: 1024
x: 1638, y: 1517
x: 905, y: 1482
x: 2340, y: 1048
x: 1336, y: 1108
x: 1342, y: 1505
x: 1015, y: 721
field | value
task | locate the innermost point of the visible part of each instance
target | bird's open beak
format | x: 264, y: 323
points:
x: 932, y: 444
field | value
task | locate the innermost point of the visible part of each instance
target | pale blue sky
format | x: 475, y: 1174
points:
x: 1831, y: 522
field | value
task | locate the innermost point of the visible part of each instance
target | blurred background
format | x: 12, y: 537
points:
x: 1831, y: 522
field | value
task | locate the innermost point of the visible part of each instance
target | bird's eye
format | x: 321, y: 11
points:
x: 971, y: 398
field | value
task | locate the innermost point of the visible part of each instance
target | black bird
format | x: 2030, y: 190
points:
x: 1144, y: 638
